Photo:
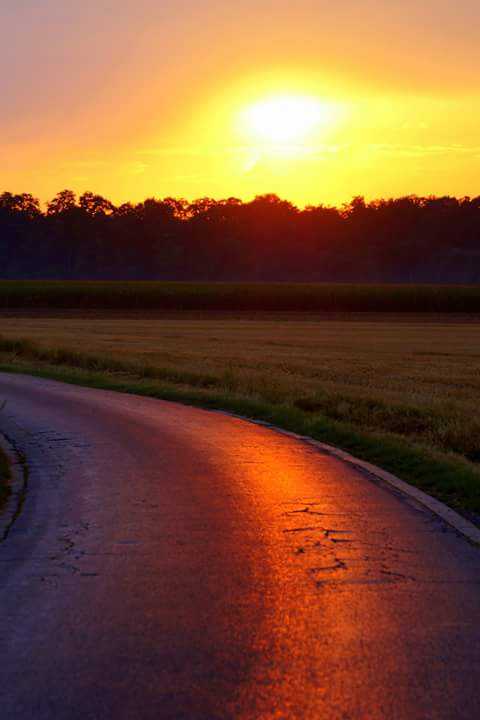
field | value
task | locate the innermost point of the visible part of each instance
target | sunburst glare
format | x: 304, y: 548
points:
x: 285, y: 120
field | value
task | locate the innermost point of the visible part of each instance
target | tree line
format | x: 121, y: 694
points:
x: 407, y: 239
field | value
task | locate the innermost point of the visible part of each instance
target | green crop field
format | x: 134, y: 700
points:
x: 401, y: 390
x: 286, y: 297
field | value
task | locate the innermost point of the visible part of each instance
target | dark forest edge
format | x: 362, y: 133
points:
x: 404, y: 240
x: 447, y: 476
x: 299, y: 298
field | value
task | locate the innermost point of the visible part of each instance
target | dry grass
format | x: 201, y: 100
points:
x: 415, y: 378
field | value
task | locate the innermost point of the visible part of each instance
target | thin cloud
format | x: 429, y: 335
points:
x: 419, y: 151
x: 134, y: 168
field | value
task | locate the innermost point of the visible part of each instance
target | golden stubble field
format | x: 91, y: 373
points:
x: 418, y: 376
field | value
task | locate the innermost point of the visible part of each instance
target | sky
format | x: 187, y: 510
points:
x: 144, y: 98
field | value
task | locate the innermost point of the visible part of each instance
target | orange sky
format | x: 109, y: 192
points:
x: 135, y: 99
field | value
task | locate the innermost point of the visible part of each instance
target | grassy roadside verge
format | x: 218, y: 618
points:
x: 445, y: 475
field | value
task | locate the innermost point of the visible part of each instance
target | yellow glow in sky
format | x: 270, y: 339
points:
x: 313, y: 100
x: 286, y: 119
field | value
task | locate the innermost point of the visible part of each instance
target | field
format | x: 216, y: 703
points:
x: 402, y: 390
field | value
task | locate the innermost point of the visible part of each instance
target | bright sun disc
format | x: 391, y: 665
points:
x: 284, y: 119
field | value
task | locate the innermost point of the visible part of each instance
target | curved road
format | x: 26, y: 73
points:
x: 174, y: 563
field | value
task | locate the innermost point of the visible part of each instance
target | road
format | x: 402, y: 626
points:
x: 174, y: 563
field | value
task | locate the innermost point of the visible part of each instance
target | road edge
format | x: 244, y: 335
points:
x: 449, y: 516
x: 452, y: 518
x: 13, y: 503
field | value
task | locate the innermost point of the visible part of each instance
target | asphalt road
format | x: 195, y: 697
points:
x: 174, y: 563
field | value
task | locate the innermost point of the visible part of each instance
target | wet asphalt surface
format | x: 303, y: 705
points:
x: 171, y: 563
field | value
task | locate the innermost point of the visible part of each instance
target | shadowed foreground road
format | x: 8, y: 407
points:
x: 174, y: 563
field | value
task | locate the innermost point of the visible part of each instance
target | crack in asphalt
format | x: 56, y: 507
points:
x: 191, y: 567
x: 339, y: 553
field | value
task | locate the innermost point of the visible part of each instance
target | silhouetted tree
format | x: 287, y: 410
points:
x: 64, y: 201
x: 95, y: 205
x: 24, y: 204
x: 407, y: 239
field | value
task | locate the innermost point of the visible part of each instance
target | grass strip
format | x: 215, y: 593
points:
x: 447, y: 476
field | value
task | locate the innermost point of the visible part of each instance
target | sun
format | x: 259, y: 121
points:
x: 281, y: 120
